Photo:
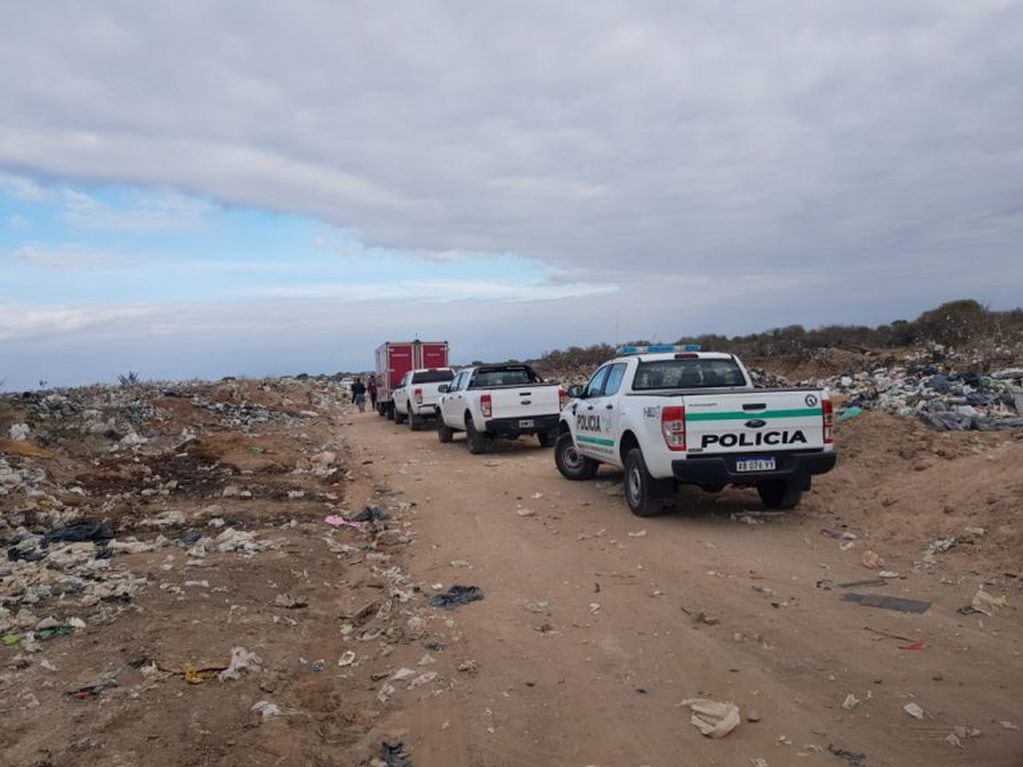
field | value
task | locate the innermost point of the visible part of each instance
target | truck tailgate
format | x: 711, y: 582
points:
x: 525, y: 401
x: 757, y: 421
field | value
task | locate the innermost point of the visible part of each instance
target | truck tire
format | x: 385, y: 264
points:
x: 399, y: 417
x: 381, y: 410
x: 477, y: 442
x: 646, y: 496
x: 570, y: 462
x: 390, y: 410
x: 415, y: 421
x: 444, y: 432
x: 779, y: 493
x: 547, y: 438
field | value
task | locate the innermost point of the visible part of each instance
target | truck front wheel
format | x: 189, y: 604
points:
x: 476, y: 440
x: 570, y: 462
x: 780, y: 493
x: 399, y: 417
x: 647, y: 497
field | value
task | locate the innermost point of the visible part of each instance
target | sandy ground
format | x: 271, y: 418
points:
x: 594, y: 627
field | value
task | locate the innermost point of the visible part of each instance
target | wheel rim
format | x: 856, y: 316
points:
x: 635, y: 485
x: 571, y: 458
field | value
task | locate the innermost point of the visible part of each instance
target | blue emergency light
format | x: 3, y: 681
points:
x: 657, y: 349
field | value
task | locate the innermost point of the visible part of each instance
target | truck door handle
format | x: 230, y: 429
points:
x: 609, y: 407
x: 755, y: 406
x: 590, y: 407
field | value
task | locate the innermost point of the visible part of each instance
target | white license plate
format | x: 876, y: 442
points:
x: 755, y: 464
x: 526, y: 423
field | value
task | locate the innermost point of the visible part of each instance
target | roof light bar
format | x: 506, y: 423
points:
x: 657, y: 348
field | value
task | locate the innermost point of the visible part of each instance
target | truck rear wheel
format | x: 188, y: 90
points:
x: 477, y: 441
x: 415, y: 421
x: 444, y: 432
x: 570, y: 462
x: 779, y: 493
x: 647, y: 497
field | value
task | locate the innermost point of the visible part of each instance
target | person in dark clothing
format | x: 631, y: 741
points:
x: 371, y: 387
x: 359, y: 394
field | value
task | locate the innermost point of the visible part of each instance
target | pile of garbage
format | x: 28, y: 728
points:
x: 944, y: 399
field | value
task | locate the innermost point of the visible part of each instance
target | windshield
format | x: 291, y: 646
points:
x: 688, y: 374
x: 432, y: 376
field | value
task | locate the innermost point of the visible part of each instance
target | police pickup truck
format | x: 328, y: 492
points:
x: 418, y: 395
x: 499, y: 401
x: 674, y: 415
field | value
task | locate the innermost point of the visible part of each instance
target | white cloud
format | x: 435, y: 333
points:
x: 429, y: 291
x: 154, y: 212
x: 21, y: 187
x: 67, y: 256
x: 20, y: 322
x: 18, y: 222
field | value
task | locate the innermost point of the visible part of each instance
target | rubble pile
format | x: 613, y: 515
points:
x: 89, y: 475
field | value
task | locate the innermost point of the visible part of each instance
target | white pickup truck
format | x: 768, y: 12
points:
x: 499, y: 401
x: 675, y: 415
x: 418, y: 395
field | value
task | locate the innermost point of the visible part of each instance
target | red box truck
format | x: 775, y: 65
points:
x: 396, y: 358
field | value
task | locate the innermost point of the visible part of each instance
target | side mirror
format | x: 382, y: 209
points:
x: 444, y: 388
x: 576, y: 391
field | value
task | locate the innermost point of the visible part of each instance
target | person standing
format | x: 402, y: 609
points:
x: 359, y: 394
x: 371, y: 387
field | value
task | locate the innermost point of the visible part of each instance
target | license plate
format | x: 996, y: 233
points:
x: 526, y: 423
x: 755, y: 464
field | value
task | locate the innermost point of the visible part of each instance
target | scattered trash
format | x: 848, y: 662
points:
x: 638, y: 534
x: 525, y: 512
x: 1008, y: 725
x: 913, y: 646
x: 316, y: 666
x: 241, y: 660
x: 337, y: 521
x: 80, y: 532
x: 888, y: 574
x: 838, y: 535
x: 347, y: 658
x: 711, y: 718
x: 90, y: 691
x: 959, y: 734
x: 853, y: 758
x: 456, y: 596
x: 848, y: 413
x: 753, y: 716
x: 888, y: 603
x: 394, y: 754
x: 371, y: 514
x: 914, y: 710
x: 758, y: 761
x: 267, y: 710
x: 872, y: 560
x: 10, y: 640
x: 851, y: 702
x: 289, y: 602
x: 868, y: 582
x: 594, y: 608
x: 986, y: 603
x: 55, y: 631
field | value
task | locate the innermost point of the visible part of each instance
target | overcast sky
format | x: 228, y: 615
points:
x: 204, y: 188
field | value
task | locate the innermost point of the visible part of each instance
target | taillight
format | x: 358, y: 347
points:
x: 486, y: 405
x: 827, y: 412
x: 418, y: 394
x: 673, y: 427
x: 562, y: 398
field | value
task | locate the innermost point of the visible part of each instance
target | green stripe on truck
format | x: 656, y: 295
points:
x: 746, y: 416
x: 595, y: 441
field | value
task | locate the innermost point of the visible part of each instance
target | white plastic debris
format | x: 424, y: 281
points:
x: 241, y: 660
x: 711, y: 718
x: 347, y: 658
x: 850, y: 702
x: 914, y: 710
x: 18, y: 432
x: 267, y: 710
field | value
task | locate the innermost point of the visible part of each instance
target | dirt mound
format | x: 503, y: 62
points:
x: 903, y: 486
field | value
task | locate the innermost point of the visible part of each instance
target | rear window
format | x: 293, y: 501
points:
x: 519, y: 377
x: 432, y: 376
x: 687, y: 374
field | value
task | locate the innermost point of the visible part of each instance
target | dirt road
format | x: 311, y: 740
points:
x: 596, y: 624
